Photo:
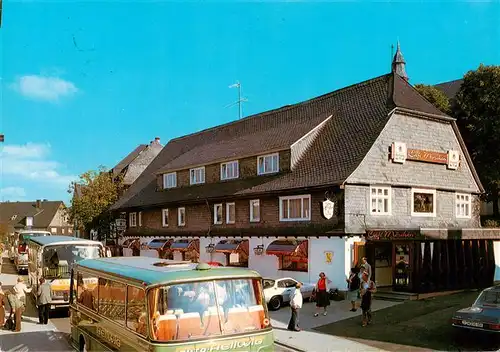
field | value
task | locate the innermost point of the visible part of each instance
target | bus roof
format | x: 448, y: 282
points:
x: 34, y: 231
x: 46, y: 240
x: 154, y: 271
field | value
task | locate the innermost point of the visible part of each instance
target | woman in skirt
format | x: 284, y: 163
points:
x: 322, y: 298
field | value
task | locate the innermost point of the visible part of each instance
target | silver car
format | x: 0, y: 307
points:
x: 278, y: 291
x: 483, y: 315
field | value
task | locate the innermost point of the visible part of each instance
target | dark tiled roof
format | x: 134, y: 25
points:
x: 15, y: 212
x: 451, y: 88
x: 359, y: 113
x: 128, y: 159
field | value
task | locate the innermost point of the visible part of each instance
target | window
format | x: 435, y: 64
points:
x: 290, y: 263
x: 136, y: 310
x: 86, y: 290
x: 423, y: 202
x: 197, y: 175
x: 219, y: 308
x: 254, y: 210
x: 229, y: 170
x: 463, y: 205
x: 181, y: 216
x: 53, y: 229
x: 164, y: 217
x: 112, y: 298
x: 170, y: 180
x: 380, y: 200
x: 140, y: 218
x: 132, y: 218
x: 218, y: 214
x: 295, y: 208
x: 63, y: 230
x: 230, y: 213
x: 267, y: 164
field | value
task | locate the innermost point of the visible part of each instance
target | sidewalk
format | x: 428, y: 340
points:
x: 313, y: 341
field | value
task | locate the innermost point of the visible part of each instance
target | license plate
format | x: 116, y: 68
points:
x: 52, y: 307
x: 472, y: 323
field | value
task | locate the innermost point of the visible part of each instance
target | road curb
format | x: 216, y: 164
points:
x: 290, y: 347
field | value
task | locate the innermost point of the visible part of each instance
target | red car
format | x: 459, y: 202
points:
x: 215, y: 264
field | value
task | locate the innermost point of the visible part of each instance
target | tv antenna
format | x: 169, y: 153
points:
x: 240, y: 99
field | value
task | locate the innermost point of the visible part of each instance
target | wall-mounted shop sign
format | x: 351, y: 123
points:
x: 400, y: 153
x: 328, y: 209
x: 328, y: 257
x: 390, y: 235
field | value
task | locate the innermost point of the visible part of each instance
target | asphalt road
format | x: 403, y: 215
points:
x: 38, y: 338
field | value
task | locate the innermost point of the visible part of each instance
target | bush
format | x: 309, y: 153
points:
x: 492, y: 223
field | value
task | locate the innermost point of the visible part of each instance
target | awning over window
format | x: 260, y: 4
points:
x: 288, y: 247
x: 160, y: 243
x: 232, y: 246
x: 185, y: 245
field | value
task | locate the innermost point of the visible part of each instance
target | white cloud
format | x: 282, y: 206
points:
x: 41, y: 87
x: 12, y: 193
x: 30, y: 162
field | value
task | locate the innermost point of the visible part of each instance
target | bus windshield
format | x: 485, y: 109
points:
x: 207, y: 309
x: 58, y: 259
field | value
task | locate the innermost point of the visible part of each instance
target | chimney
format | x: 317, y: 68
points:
x: 38, y: 204
x: 157, y: 140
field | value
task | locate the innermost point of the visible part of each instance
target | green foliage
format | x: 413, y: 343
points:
x: 93, y: 195
x: 434, y: 96
x: 477, y: 110
x: 491, y: 223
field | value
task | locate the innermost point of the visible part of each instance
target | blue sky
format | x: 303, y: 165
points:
x: 84, y: 82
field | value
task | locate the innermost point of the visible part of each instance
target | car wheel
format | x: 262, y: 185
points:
x: 275, y: 303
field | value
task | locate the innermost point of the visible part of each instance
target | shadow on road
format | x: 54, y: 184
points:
x: 34, y: 341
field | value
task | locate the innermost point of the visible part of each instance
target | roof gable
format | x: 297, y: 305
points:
x: 125, y: 162
x: 15, y: 212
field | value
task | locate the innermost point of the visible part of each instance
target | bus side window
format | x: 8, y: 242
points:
x: 85, y: 291
x: 136, y: 310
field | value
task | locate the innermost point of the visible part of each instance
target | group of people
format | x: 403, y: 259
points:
x: 360, y: 287
x: 16, y: 297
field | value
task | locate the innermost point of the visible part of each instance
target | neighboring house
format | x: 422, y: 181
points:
x: 371, y: 170
x: 39, y: 215
x: 450, y: 89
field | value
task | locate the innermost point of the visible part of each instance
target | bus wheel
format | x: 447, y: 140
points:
x: 83, y: 346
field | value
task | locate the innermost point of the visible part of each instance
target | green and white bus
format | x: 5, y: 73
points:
x: 150, y: 304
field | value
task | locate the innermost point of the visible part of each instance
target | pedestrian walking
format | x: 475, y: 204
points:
x: 367, y: 290
x: 353, y: 283
x: 295, y: 305
x: 20, y: 289
x: 367, y: 267
x: 322, y: 298
x: 44, y: 297
x: 2, y: 306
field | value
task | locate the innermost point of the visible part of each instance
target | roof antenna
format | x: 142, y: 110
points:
x: 240, y: 99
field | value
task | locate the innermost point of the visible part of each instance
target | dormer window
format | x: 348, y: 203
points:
x: 268, y: 164
x: 229, y: 170
x: 197, y: 175
x: 170, y: 180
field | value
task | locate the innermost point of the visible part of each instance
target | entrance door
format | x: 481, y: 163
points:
x: 402, y: 268
x: 358, y: 253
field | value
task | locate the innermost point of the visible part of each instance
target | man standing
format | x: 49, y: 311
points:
x: 44, y: 297
x: 295, y: 305
x: 368, y: 267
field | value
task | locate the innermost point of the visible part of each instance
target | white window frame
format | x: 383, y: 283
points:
x: 173, y: 180
x: 236, y: 168
x: 388, y: 197
x: 254, y: 217
x: 53, y: 230
x: 192, y: 180
x: 459, y: 201
x: 215, y: 214
x: 434, y: 202
x: 229, y: 221
x: 140, y: 218
x: 164, y: 216
x: 132, y: 219
x: 302, y: 196
x: 180, y: 211
x: 63, y: 230
x: 269, y: 156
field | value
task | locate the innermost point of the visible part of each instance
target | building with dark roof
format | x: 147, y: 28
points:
x: 371, y: 170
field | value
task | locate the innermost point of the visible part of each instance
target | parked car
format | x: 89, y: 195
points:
x: 483, y: 315
x: 215, y: 264
x: 277, y: 291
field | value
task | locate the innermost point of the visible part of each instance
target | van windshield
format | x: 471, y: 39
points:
x: 58, y: 259
x: 207, y: 309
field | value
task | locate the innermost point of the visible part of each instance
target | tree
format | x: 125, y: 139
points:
x: 477, y: 110
x: 90, y: 207
x: 435, y: 97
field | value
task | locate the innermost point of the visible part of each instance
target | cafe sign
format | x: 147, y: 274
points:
x: 390, y: 235
x: 400, y: 154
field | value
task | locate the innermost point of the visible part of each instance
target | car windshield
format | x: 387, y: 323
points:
x: 58, y: 259
x: 268, y: 283
x: 207, y: 309
x: 488, y: 298
x: 25, y: 237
